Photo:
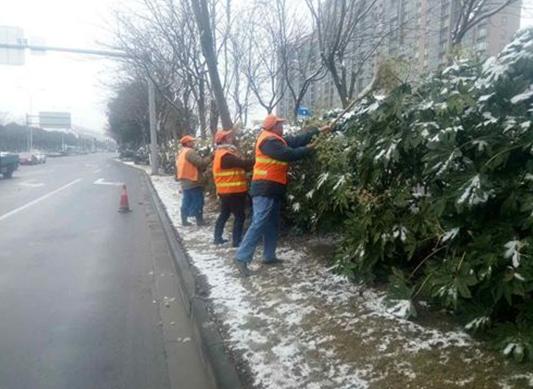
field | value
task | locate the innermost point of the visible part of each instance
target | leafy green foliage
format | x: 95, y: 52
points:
x: 432, y: 187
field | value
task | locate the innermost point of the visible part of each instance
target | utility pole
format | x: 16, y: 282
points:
x: 154, y: 157
x: 30, y: 128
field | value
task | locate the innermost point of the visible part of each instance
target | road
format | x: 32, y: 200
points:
x: 88, y: 295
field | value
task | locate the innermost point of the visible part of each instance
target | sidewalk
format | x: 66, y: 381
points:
x: 301, y: 326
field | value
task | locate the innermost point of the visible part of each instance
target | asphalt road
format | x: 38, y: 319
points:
x: 88, y: 296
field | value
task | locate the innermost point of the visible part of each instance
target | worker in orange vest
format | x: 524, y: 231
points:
x: 273, y: 152
x: 189, y: 167
x: 229, y: 173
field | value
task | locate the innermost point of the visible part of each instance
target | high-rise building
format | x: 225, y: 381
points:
x: 414, y: 33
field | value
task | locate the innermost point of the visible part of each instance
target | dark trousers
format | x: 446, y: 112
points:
x: 231, y: 204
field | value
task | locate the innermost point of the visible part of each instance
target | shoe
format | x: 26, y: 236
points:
x: 200, y: 222
x: 185, y: 223
x: 275, y: 261
x: 220, y: 241
x: 243, y: 268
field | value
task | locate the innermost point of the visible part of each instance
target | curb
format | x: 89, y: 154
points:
x: 220, y: 368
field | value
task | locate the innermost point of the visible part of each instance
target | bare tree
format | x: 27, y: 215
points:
x: 469, y: 13
x: 241, y: 91
x: 339, y: 26
x: 303, y: 68
x: 257, y: 44
x: 297, y: 52
x: 161, y: 41
x: 204, y: 21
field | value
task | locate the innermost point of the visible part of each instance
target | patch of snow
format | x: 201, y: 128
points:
x: 322, y: 179
x: 481, y: 144
x: 402, y: 308
x: 526, y: 95
x: 341, y: 181
x: 292, y: 324
x: 513, y: 252
x: 450, y: 235
x: 485, y: 98
x: 473, y: 193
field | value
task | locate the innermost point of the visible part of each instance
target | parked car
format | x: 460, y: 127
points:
x: 41, y: 157
x: 56, y: 154
x: 8, y: 164
x: 127, y: 154
x: 28, y: 159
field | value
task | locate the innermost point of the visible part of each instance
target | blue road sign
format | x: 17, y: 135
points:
x: 304, y: 111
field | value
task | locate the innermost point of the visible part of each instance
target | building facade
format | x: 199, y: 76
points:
x: 416, y: 35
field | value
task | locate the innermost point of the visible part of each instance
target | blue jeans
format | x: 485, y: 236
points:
x: 192, y: 203
x: 265, y: 224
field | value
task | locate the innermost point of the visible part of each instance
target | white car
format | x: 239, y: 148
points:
x: 41, y: 157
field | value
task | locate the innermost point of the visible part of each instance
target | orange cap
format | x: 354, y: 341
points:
x: 270, y: 121
x: 221, y: 135
x: 186, y: 139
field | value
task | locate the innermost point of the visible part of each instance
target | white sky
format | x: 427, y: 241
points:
x: 65, y: 82
x: 55, y: 81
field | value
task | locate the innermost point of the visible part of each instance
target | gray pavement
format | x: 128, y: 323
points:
x: 88, y: 295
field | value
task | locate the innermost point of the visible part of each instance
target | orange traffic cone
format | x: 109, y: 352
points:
x: 124, y: 203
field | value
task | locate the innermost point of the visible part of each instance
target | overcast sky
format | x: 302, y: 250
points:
x: 59, y: 82
x: 64, y: 82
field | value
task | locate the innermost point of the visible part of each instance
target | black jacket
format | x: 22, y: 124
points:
x: 295, y: 150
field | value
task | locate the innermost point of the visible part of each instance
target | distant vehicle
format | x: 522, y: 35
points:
x: 33, y: 158
x: 127, y: 154
x: 28, y: 159
x: 8, y: 164
x: 55, y: 154
x: 41, y: 157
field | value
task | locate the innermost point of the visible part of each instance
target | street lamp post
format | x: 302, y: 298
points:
x: 154, y: 160
x: 113, y: 54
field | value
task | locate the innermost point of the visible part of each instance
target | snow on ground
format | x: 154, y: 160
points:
x: 301, y: 326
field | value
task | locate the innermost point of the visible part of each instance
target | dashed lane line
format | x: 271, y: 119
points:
x: 38, y: 200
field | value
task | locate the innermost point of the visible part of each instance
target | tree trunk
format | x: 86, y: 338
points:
x: 213, y: 117
x: 201, y: 108
x: 201, y: 14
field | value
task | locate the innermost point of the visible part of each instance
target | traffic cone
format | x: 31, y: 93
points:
x: 124, y: 203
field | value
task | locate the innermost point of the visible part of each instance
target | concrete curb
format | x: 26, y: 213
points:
x: 221, y: 369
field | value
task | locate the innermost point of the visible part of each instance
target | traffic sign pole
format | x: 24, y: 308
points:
x: 107, y: 53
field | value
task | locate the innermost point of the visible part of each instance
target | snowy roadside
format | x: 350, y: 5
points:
x: 301, y: 326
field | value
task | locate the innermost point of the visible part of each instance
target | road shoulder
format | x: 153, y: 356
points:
x: 218, y: 364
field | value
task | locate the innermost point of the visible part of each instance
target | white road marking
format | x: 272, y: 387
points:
x: 31, y: 184
x: 38, y: 200
x: 101, y: 181
x: 97, y: 171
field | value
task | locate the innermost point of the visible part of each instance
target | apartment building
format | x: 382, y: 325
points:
x: 416, y: 34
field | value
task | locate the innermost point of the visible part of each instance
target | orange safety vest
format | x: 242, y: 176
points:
x: 228, y: 180
x: 267, y: 168
x: 184, y: 169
